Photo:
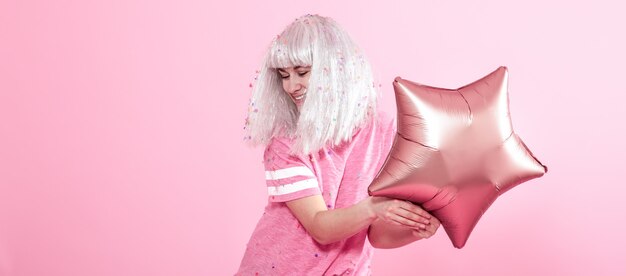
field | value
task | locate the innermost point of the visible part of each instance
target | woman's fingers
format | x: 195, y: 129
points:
x: 412, y: 218
x: 415, y: 213
x: 402, y: 212
x: 430, y: 229
x: 407, y: 214
x: 415, y: 209
x: 404, y: 221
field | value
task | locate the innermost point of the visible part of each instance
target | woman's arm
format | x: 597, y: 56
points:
x: 328, y: 226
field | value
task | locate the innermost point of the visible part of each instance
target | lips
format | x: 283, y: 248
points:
x: 298, y: 99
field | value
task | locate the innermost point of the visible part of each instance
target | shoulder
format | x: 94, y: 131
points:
x: 280, y: 147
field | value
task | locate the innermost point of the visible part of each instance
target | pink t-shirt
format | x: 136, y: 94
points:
x: 279, y: 244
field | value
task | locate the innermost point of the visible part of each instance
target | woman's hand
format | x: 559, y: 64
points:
x: 397, y: 223
x: 404, y: 213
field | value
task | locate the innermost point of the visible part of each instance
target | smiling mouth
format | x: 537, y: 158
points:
x: 299, y: 97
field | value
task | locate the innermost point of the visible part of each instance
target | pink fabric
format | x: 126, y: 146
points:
x: 279, y: 244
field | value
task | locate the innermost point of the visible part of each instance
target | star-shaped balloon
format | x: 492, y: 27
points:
x: 455, y: 151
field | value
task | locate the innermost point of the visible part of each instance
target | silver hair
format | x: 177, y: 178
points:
x: 341, y: 93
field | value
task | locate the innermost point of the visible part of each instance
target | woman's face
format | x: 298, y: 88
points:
x: 295, y: 81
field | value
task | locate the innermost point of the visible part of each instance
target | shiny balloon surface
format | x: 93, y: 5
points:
x: 455, y: 151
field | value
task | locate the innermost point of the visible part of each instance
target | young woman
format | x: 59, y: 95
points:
x: 314, y: 109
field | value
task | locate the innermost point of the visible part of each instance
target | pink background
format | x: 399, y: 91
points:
x: 121, y: 140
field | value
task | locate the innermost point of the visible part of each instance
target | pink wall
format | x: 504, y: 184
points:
x: 121, y: 130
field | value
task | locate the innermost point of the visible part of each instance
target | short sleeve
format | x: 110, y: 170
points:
x: 288, y: 177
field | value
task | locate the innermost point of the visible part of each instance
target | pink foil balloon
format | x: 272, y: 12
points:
x: 455, y: 151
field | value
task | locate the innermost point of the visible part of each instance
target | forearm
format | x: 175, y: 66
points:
x: 338, y: 224
x: 387, y: 235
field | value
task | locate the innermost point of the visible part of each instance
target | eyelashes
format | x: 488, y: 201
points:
x: 300, y: 74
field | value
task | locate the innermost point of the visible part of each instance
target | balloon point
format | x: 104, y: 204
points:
x: 397, y: 79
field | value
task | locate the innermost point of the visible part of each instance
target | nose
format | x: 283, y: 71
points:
x: 295, y: 86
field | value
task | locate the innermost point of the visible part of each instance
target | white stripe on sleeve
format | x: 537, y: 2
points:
x: 293, y: 187
x: 288, y: 172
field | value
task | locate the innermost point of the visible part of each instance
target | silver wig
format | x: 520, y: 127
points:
x: 341, y: 93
